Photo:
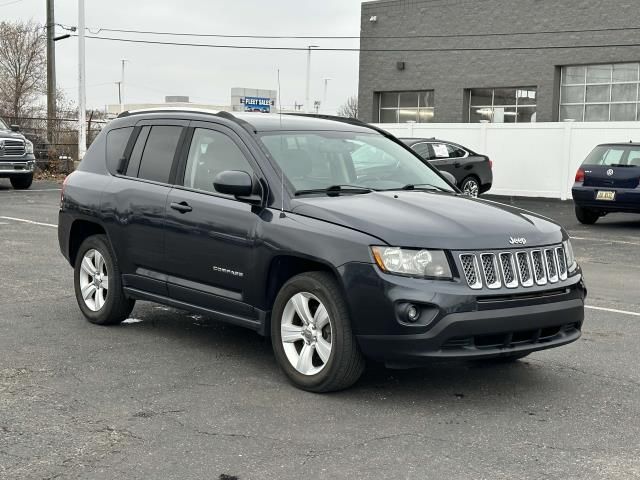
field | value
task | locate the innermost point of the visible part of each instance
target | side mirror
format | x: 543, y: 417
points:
x: 449, y: 177
x: 234, y: 182
x: 15, y: 128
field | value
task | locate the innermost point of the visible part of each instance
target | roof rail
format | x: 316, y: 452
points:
x: 168, y: 110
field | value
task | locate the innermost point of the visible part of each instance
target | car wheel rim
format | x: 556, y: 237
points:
x: 471, y: 188
x: 94, y: 280
x: 306, y: 333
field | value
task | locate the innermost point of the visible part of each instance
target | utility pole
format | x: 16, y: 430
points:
x: 82, y: 92
x: 51, y: 70
x: 307, y: 102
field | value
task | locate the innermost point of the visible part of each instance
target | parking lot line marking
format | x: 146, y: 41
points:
x: 613, y: 310
x: 605, y: 241
x: 31, y: 191
x: 23, y: 220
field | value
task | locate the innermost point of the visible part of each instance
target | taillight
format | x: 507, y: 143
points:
x: 64, y: 184
x: 490, y: 163
x: 580, y: 175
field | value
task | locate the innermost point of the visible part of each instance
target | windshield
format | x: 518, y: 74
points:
x: 3, y: 126
x: 614, y: 155
x: 320, y: 159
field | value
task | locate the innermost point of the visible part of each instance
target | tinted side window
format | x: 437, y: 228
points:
x: 116, y: 145
x: 422, y: 149
x: 211, y: 152
x: 136, y: 153
x: 455, y: 152
x: 157, y: 158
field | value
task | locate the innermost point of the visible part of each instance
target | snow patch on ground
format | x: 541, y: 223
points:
x: 129, y: 321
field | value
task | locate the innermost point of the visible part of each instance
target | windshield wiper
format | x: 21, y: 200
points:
x: 621, y: 165
x: 335, y: 190
x: 423, y: 186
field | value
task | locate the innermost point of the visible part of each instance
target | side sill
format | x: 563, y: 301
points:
x: 256, y: 325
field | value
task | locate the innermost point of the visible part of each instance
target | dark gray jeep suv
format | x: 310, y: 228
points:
x: 17, y: 161
x: 287, y: 225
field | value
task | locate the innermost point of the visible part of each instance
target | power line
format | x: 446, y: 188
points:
x: 347, y: 37
x: 379, y: 50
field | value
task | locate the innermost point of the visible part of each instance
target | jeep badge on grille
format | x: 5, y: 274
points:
x: 518, y: 241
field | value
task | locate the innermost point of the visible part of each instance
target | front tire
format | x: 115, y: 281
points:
x: 311, y: 334
x: 22, y: 182
x: 586, y: 216
x: 98, y: 283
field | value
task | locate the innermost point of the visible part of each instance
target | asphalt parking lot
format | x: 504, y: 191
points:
x: 175, y: 395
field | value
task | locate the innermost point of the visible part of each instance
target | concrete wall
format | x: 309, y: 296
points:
x: 450, y: 73
x: 529, y: 159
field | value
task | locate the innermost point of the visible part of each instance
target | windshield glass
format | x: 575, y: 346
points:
x: 3, y: 126
x: 610, y: 155
x: 320, y: 159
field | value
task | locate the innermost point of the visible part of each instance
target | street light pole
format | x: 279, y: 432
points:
x: 82, y: 92
x: 324, y: 97
x: 307, y: 102
x: 121, y: 89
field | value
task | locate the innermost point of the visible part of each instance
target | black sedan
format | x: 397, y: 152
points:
x: 608, y: 181
x: 471, y: 170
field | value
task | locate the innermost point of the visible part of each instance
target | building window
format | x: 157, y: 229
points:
x: 403, y: 107
x: 600, y: 93
x: 503, y: 105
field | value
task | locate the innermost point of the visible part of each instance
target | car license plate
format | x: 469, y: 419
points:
x: 606, y: 195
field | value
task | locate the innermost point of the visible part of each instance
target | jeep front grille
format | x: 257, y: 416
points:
x: 12, y: 148
x: 522, y: 268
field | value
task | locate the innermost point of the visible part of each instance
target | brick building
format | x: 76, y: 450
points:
x: 522, y: 72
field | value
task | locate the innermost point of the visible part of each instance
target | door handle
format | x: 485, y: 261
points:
x: 182, y: 207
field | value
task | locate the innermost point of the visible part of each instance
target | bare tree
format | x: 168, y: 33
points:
x: 23, y: 67
x: 350, y: 108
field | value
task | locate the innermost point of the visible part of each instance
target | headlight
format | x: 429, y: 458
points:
x: 571, y: 258
x: 415, y: 263
x: 28, y: 146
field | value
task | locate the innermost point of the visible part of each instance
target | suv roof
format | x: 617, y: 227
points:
x: 265, y: 122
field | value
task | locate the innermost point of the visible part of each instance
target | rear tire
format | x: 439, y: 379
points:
x: 586, y: 216
x: 470, y: 186
x: 334, y: 358
x: 101, y: 302
x: 22, y: 182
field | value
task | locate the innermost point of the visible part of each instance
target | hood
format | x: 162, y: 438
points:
x: 9, y: 134
x: 432, y: 220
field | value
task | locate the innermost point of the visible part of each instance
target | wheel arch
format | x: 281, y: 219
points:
x: 81, y: 230
x: 284, y: 267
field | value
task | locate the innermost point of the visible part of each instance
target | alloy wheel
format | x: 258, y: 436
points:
x: 94, y: 280
x: 306, y: 333
x: 471, y: 188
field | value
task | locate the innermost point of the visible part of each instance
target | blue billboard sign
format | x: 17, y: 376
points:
x: 257, y: 104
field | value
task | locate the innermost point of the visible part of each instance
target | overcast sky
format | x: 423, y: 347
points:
x: 206, y: 75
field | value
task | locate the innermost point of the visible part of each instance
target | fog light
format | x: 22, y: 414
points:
x: 413, y: 313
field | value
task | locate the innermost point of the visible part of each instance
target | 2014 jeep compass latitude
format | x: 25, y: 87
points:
x: 328, y: 235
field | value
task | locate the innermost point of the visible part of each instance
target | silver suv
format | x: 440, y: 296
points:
x: 17, y: 161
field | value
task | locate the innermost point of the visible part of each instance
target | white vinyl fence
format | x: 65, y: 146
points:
x: 531, y: 160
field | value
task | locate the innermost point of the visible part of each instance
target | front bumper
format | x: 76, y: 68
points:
x: 24, y: 166
x: 457, y: 323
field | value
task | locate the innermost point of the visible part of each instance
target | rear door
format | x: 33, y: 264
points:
x: 613, y: 166
x: 136, y: 202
